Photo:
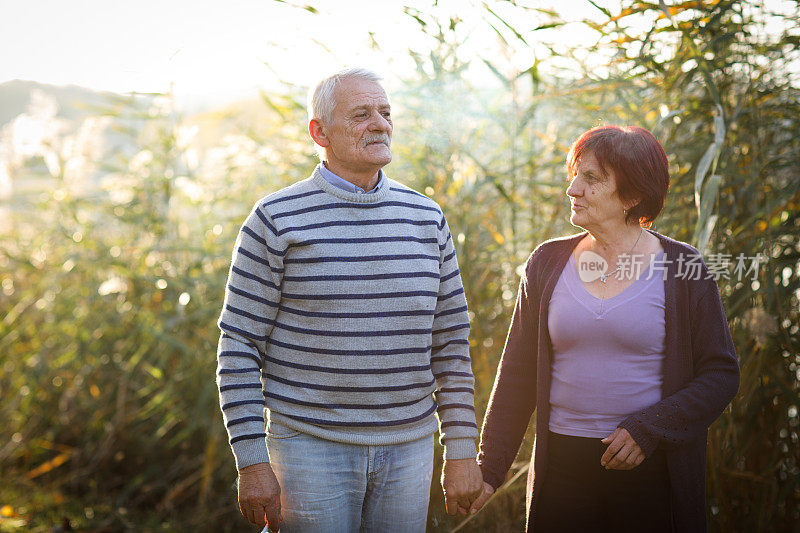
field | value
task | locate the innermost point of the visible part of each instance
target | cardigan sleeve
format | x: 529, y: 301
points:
x: 513, y: 397
x: 686, y: 415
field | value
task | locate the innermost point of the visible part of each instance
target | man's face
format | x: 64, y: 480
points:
x: 361, y: 129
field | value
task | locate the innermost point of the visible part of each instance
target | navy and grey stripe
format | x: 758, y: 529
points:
x: 258, y: 259
x: 363, y: 353
x: 325, y: 207
x: 357, y: 223
x: 292, y: 197
x: 359, y: 296
x: 341, y: 388
x: 345, y: 423
x: 363, y: 240
x: 340, y: 370
x: 343, y: 313
x: 359, y: 406
x: 363, y: 277
x: 360, y: 258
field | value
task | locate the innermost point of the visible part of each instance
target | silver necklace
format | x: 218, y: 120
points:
x: 604, y: 277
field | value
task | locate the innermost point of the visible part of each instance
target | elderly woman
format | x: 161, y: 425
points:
x: 623, y: 351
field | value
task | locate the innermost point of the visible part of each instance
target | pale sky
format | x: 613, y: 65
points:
x: 214, y: 49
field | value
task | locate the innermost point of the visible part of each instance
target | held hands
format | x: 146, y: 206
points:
x: 622, y: 453
x: 463, y: 485
x: 482, y: 499
x: 260, y: 496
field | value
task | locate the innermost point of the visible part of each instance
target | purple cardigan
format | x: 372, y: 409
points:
x: 701, y: 376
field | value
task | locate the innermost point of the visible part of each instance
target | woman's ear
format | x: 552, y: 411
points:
x: 631, y: 204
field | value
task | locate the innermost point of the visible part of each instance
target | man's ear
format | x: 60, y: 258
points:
x: 317, y: 131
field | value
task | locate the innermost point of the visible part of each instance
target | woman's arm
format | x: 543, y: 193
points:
x: 513, y: 396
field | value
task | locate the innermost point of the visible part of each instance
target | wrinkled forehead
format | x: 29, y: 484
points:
x: 353, y: 93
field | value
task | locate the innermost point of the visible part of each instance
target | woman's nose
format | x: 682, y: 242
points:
x: 573, y: 190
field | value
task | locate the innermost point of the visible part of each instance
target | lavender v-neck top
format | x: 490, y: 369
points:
x: 608, y: 354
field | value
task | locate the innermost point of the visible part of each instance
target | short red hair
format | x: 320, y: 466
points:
x: 638, y: 162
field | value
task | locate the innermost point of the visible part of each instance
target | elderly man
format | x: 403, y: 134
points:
x: 345, y: 316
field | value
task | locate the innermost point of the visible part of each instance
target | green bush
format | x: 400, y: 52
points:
x: 111, y: 278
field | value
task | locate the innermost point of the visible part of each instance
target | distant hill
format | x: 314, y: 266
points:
x: 260, y: 117
x: 73, y: 101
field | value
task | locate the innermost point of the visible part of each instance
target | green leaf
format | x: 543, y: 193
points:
x: 702, y: 169
x: 706, y: 220
x: 497, y: 73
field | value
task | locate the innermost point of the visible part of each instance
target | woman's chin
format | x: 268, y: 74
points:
x: 576, y: 220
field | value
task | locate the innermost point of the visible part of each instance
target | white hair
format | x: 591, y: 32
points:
x: 322, y: 99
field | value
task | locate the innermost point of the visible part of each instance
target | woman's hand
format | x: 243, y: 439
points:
x: 623, y: 453
x: 482, y: 499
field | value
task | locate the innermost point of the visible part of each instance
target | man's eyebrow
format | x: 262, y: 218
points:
x: 368, y: 106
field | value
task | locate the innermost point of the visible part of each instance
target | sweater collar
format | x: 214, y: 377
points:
x: 342, y: 183
x: 376, y: 195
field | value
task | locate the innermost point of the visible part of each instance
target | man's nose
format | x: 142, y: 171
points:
x: 379, y: 123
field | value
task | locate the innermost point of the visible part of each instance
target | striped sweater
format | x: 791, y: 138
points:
x: 345, y: 316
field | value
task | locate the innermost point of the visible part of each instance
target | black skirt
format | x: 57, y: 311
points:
x: 580, y: 495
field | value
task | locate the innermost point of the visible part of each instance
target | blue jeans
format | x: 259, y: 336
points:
x: 334, y: 487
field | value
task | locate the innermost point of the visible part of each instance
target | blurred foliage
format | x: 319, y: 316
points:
x: 113, y: 274
x: 109, y: 303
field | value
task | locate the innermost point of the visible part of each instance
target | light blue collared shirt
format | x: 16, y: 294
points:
x: 342, y: 183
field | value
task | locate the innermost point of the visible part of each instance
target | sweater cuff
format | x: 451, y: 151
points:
x: 645, y: 442
x: 250, y: 452
x: 459, y: 449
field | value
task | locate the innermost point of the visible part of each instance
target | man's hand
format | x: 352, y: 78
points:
x: 260, y: 496
x: 462, y: 483
x: 623, y: 453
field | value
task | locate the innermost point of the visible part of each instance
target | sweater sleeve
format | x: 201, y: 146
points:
x: 450, y: 361
x: 252, y: 296
x: 513, y: 397
x: 686, y: 415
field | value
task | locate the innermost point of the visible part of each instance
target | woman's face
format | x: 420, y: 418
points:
x: 593, y: 196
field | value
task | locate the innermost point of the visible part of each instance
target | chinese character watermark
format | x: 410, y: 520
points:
x: 592, y: 266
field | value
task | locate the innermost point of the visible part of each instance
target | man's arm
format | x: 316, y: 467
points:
x: 450, y: 363
x: 252, y: 296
